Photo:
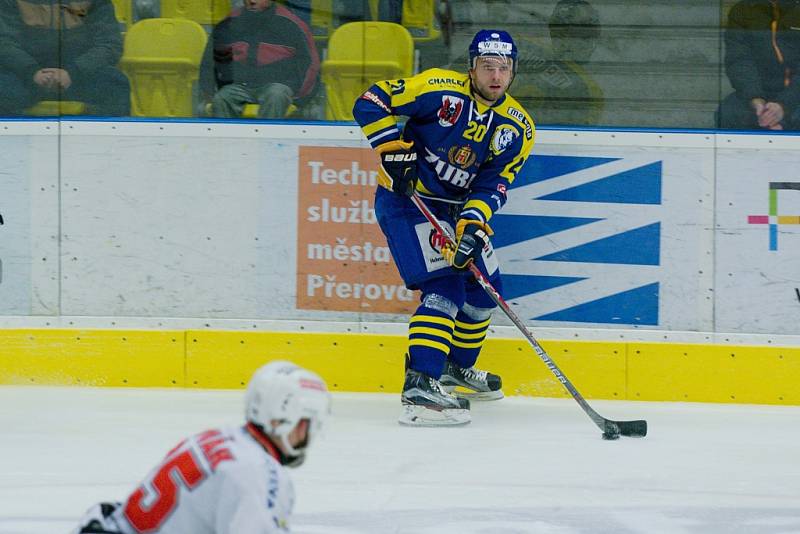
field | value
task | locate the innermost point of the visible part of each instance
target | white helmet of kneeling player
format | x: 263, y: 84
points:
x: 279, y: 398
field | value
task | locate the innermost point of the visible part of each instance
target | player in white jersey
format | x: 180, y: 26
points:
x: 229, y: 480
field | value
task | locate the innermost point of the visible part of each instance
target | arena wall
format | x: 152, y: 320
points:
x: 653, y: 265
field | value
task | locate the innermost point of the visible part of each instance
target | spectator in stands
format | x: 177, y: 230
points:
x: 357, y: 10
x: 558, y: 88
x: 574, y: 28
x: 146, y: 9
x: 552, y: 81
x: 261, y: 54
x: 762, y: 61
x: 301, y: 8
x: 56, y: 50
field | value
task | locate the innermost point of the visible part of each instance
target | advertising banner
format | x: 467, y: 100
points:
x: 343, y: 261
x: 758, y: 241
x: 610, y: 235
x: 591, y: 235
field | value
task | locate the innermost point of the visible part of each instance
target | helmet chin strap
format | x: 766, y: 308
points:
x: 294, y: 457
x: 291, y: 451
x: 296, y: 454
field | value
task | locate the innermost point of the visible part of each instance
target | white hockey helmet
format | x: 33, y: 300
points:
x: 279, y: 395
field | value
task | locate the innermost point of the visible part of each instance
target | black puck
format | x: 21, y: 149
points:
x: 610, y: 435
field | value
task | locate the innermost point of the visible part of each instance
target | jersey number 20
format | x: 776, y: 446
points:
x: 475, y: 131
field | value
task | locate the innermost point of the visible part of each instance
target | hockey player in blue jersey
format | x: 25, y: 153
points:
x: 463, y: 143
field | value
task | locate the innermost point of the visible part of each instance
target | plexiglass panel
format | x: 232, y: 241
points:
x: 619, y: 63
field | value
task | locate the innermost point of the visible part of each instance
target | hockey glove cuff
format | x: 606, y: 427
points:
x: 471, y: 237
x: 398, y: 170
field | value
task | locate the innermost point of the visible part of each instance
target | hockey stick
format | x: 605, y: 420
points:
x: 611, y: 429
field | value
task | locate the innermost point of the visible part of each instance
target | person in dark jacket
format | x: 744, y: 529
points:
x: 762, y: 61
x: 261, y: 54
x: 61, y: 50
x: 553, y: 82
x: 358, y: 10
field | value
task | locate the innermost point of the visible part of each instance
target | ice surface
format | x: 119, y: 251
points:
x: 523, y: 465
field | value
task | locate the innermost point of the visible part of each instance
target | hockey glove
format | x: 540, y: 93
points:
x: 471, y: 237
x: 398, y: 170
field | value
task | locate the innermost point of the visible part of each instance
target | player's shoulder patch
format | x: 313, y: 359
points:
x: 515, y: 111
x: 376, y: 99
x: 503, y: 137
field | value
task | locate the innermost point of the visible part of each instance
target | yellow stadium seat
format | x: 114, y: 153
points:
x: 250, y: 111
x: 205, y: 12
x: 162, y: 60
x: 360, y: 54
x: 56, y: 108
x: 124, y: 12
x: 418, y: 18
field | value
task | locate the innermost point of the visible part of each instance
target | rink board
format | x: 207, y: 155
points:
x: 374, y: 363
x: 669, y: 231
x: 183, y: 228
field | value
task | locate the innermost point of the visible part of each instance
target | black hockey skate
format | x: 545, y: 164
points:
x: 426, y: 403
x: 472, y: 383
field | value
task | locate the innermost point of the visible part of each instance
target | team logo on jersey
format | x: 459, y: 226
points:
x: 450, y: 110
x: 463, y: 156
x: 397, y: 86
x: 503, y: 136
x: 447, y: 172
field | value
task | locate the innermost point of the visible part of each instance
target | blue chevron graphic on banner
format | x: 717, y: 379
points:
x: 640, y: 187
x: 520, y: 285
x: 511, y: 229
x: 640, y: 246
x: 543, y: 167
x: 636, y: 186
x: 635, y: 306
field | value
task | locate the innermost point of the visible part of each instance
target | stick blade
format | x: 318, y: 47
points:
x: 633, y: 429
x: 614, y: 429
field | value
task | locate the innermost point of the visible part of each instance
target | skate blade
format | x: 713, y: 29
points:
x: 474, y: 395
x: 420, y: 416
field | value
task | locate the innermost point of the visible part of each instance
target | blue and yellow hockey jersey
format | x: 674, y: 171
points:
x: 467, y: 153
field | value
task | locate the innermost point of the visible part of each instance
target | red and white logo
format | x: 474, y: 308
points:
x: 307, y: 383
x: 450, y: 110
x: 375, y: 99
x: 437, y: 240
